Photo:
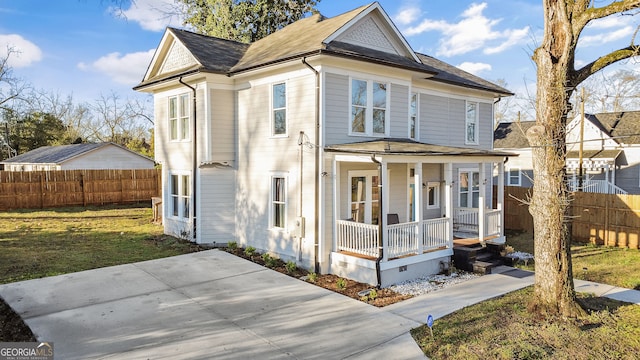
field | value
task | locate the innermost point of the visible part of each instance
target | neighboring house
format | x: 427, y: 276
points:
x: 610, y: 156
x: 329, y: 142
x: 78, y: 156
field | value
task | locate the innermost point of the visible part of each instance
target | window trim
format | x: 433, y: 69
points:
x: 436, y: 194
x: 274, y: 109
x: 416, y: 121
x: 470, y: 191
x: 272, y: 177
x: 182, y: 118
x: 180, y: 175
x: 476, y: 123
x: 519, y: 182
x: 369, y: 109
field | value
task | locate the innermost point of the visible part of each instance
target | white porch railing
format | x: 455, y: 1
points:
x: 466, y: 220
x: 357, y: 238
x: 402, y: 239
x: 435, y: 233
x: 596, y: 186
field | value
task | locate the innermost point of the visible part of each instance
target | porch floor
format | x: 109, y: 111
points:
x: 400, y: 257
x: 458, y: 242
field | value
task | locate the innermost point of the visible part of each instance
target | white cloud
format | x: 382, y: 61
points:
x: 153, y: 15
x: 474, y: 31
x: 24, y: 52
x: 124, y: 69
x: 606, y: 37
x: 407, y: 15
x: 474, y: 68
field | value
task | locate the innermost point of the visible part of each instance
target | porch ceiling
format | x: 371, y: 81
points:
x: 409, y: 147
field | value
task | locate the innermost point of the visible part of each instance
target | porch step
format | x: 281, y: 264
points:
x: 476, y: 259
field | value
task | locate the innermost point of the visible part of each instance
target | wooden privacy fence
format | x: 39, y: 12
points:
x: 55, y: 188
x: 604, y: 219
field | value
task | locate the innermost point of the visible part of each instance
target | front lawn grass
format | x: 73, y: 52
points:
x: 39, y: 243
x: 503, y: 328
x: 602, y: 264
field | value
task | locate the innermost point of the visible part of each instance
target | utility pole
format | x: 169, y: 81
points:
x: 580, y: 169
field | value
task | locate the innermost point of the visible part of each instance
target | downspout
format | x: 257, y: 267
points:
x: 194, y: 158
x: 380, y: 229
x: 316, y: 223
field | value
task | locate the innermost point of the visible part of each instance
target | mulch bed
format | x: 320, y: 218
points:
x: 347, y: 287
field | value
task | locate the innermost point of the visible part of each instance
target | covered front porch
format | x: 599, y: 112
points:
x: 400, y: 206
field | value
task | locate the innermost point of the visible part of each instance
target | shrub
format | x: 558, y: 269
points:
x: 341, y: 284
x: 232, y: 245
x: 250, y: 251
x: 291, y: 266
x: 312, y: 277
x: 373, y: 294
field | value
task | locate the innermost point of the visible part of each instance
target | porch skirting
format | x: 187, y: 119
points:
x: 391, y: 271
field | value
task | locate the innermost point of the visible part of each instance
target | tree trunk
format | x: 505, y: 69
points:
x: 554, y: 291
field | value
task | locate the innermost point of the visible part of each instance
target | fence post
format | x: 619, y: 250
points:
x: 41, y: 192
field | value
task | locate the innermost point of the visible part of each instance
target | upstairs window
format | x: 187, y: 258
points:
x: 179, y: 117
x: 369, y: 108
x: 471, y: 123
x: 413, y: 116
x: 279, y: 109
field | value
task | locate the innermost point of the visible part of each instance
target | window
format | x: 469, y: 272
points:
x: 514, y: 177
x: 471, y: 123
x: 369, y: 108
x: 433, y: 195
x: 180, y: 193
x: 468, y: 189
x: 365, y: 196
x: 279, y: 109
x: 179, y: 117
x: 413, y: 116
x: 278, y: 209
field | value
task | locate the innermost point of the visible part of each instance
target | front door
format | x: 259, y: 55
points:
x: 365, y: 196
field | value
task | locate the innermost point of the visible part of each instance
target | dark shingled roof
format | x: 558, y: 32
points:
x: 512, y: 135
x: 623, y: 126
x: 409, y: 147
x: 304, y: 38
x: 55, y: 154
x: 594, y: 154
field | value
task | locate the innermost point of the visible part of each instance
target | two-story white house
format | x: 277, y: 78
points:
x: 329, y: 142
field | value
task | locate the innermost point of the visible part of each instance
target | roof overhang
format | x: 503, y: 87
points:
x: 404, y: 147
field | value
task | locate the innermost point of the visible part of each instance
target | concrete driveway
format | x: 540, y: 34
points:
x: 201, y: 306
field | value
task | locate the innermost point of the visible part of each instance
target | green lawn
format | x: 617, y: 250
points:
x: 39, y: 243
x: 607, y: 265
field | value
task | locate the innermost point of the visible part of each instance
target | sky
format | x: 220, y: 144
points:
x: 89, y: 48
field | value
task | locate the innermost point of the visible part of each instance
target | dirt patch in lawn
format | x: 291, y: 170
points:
x: 12, y: 328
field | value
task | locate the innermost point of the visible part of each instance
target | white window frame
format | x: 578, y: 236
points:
x: 414, y: 117
x: 519, y: 177
x: 273, y: 201
x: 274, y: 109
x: 436, y: 195
x: 368, y: 217
x: 468, y: 121
x: 182, y: 118
x: 182, y: 197
x: 369, y: 108
x: 470, y: 191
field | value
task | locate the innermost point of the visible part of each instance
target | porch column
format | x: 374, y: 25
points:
x: 417, y: 186
x: 336, y: 203
x: 500, y: 196
x: 448, y: 201
x: 384, y: 195
x: 482, y: 193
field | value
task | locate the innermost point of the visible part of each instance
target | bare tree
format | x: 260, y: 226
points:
x: 614, y: 92
x: 557, y: 78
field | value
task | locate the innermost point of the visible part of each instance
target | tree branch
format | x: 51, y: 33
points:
x: 582, y: 18
x: 578, y: 76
